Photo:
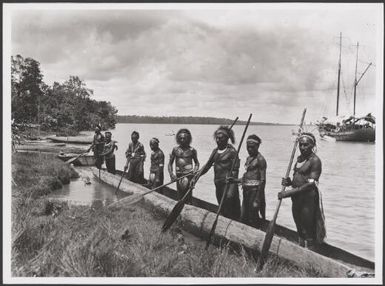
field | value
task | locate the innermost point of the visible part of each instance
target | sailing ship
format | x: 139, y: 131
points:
x: 348, y: 128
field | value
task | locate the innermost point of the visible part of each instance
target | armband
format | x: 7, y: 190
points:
x: 313, y: 181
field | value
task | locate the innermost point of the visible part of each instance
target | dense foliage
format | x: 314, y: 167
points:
x: 61, y: 106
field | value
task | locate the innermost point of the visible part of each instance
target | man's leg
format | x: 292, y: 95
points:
x: 308, y: 221
x: 183, y: 187
x: 112, y: 165
x: 255, y: 206
x: 131, y: 171
x: 99, y: 162
x: 262, y: 209
x: 244, y: 207
x: 296, y: 210
x: 232, y: 204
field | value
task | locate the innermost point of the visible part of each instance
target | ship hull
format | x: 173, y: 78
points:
x: 356, y: 135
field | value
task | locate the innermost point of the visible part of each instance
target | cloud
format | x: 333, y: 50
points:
x: 213, y: 63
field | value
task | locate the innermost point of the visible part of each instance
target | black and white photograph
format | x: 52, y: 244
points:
x: 193, y: 143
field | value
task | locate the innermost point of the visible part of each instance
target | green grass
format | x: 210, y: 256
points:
x: 76, y: 241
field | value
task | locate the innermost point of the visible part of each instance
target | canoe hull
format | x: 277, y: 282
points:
x: 71, y: 139
x: 85, y: 160
x: 198, y: 218
x: 291, y: 235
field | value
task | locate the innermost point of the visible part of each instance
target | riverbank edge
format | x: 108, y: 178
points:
x: 93, y: 242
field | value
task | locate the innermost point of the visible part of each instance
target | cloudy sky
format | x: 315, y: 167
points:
x: 222, y: 61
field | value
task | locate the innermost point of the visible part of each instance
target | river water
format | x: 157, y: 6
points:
x: 347, y: 183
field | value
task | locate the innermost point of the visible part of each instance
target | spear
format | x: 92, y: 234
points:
x: 270, y: 229
x: 180, y: 204
x: 227, y: 185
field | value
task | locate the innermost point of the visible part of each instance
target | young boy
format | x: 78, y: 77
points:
x: 157, y: 165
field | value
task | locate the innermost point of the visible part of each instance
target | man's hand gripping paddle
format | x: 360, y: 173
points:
x: 227, y: 186
x: 270, y: 229
x: 180, y: 204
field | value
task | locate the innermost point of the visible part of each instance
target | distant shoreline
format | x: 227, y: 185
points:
x: 241, y: 123
x: 195, y: 120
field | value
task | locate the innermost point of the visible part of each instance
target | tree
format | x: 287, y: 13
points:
x: 61, y: 107
x: 26, y: 89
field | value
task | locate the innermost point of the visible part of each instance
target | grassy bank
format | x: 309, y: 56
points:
x: 56, y: 239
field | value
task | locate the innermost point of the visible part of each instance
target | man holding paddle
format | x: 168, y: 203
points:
x: 307, y: 205
x: 186, y: 161
x: 222, y: 158
x: 98, y: 146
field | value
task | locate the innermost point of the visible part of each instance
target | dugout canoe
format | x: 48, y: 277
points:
x: 44, y: 146
x: 71, y: 139
x: 84, y: 160
x: 199, y: 217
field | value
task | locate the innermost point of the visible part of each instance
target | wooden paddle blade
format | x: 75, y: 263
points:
x: 173, y: 215
x: 69, y: 161
x: 211, y: 233
x: 133, y: 199
x: 121, y: 178
x: 270, y: 230
x: 266, y: 245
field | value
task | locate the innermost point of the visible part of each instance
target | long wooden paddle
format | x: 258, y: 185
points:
x: 138, y: 197
x: 227, y: 186
x: 69, y: 161
x: 99, y: 167
x: 180, y: 204
x: 270, y: 229
x: 124, y: 171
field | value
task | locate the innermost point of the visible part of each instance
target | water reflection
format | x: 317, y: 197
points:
x: 87, y: 190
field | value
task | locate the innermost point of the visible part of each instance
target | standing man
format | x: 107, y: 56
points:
x: 135, y: 158
x: 157, y: 165
x: 222, y: 158
x: 307, y: 206
x: 108, y: 152
x: 184, y: 155
x: 98, y: 146
x: 253, y: 184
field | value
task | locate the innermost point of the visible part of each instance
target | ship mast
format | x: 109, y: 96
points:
x: 339, y: 75
x: 355, y: 84
x: 357, y: 81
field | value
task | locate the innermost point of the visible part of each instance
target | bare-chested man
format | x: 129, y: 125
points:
x: 307, y: 210
x: 186, y: 160
x: 157, y: 165
x: 222, y: 158
x: 253, y: 184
